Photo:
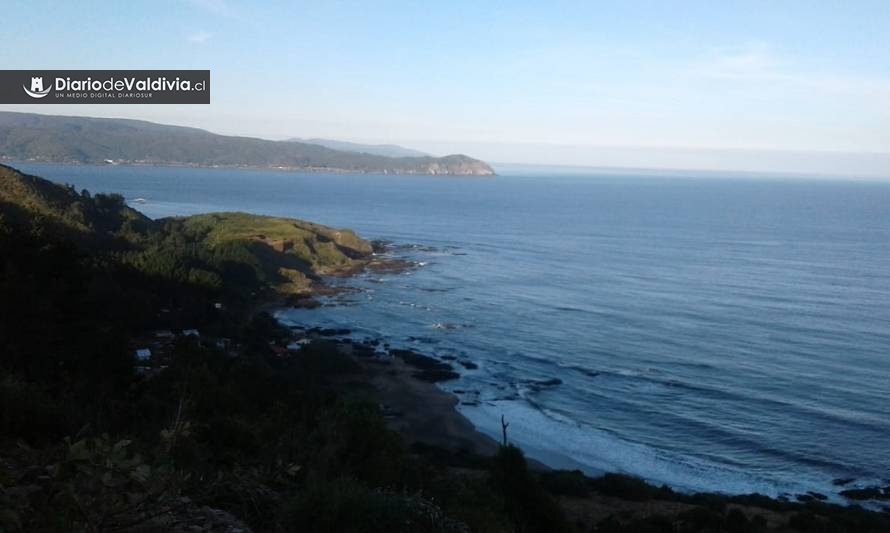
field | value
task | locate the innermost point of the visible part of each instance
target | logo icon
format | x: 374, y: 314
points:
x: 37, y: 90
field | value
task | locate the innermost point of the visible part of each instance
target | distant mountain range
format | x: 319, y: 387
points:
x: 63, y: 139
x: 386, y: 150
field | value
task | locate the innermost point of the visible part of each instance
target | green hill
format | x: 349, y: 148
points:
x: 388, y: 150
x: 282, y: 254
x: 32, y: 201
x: 28, y: 136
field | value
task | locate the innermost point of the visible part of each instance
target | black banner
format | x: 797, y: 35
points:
x: 104, y: 86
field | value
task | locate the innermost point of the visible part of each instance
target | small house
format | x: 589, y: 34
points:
x: 143, y: 354
x: 190, y: 333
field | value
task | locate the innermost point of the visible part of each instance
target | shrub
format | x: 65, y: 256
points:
x: 346, y: 505
x: 28, y: 412
x: 92, y: 485
x: 352, y: 439
x: 230, y: 439
x: 565, y: 483
x: 525, y: 502
x: 629, y: 488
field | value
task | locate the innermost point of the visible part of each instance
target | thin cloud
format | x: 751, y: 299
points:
x: 217, y: 7
x: 201, y: 37
x: 759, y: 64
x: 755, y: 61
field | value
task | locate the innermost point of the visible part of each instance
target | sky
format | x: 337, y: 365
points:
x: 749, y: 85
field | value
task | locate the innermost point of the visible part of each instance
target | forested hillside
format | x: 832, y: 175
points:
x: 27, y: 136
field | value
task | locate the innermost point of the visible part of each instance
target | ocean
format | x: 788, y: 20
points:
x: 706, y: 331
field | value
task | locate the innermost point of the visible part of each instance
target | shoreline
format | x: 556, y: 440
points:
x: 419, y: 410
x: 415, y: 407
x: 404, y: 385
x: 427, y: 414
x: 427, y: 417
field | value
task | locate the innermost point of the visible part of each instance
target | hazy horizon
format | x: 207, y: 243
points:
x: 568, y: 158
x: 756, y: 86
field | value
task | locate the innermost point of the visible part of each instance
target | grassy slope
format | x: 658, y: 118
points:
x: 294, y: 250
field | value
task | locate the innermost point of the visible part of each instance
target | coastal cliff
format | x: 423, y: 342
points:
x: 458, y: 165
x: 140, y: 391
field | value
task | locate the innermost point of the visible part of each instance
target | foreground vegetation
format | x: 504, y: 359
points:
x: 234, y: 438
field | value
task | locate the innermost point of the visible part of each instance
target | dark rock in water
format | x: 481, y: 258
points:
x: 383, y: 265
x: 417, y: 360
x: 379, y: 246
x: 468, y: 365
x: 841, y: 481
x: 304, y: 302
x: 436, y: 375
x: 409, y: 247
x: 811, y: 496
x: 431, y: 369
x: 552, y: 382
x: 470, y: 404
x: 448, y: 358
x: 868, y: 493
x: 361, y: 350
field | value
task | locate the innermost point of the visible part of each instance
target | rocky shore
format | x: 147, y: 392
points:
x: 404, y: 382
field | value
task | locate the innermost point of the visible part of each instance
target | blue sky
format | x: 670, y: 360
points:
x: 520, y: 81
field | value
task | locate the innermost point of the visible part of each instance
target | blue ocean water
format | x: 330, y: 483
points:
x: 713, y: 334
